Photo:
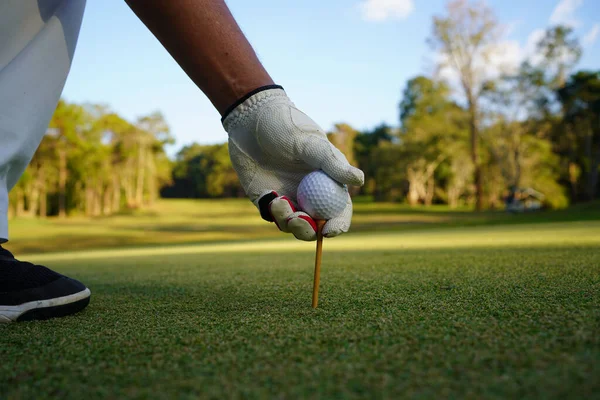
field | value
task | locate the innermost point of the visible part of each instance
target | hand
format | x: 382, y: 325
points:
x: 272, y: 146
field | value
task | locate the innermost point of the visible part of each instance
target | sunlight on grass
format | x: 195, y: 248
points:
x: 191, y: 222
x: 560, y: 234
x: 203, y: 297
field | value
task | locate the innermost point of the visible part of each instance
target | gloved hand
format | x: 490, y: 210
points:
x: 272, y: 146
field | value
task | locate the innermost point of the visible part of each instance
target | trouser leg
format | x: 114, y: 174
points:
x: 37, y: 42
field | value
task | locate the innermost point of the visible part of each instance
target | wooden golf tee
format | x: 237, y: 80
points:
x: 315, y: 298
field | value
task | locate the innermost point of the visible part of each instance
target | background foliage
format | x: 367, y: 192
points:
x: 462, y: 142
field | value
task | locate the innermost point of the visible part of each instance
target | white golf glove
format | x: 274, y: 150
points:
x: 272, y: 146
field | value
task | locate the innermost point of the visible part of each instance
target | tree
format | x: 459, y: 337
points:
x: 465, y: 37
x: 390, y: 172
x: 343, y: 137
x: 203, y: 171
x: 89, y: 161
x: 560, y: 52
x: 580, y: 99
x: 512, y: 107
x: 365, y: 144
x: 432, y: 132
x: 118, y: 136
x: 67, y: 123
x: 152, y: 135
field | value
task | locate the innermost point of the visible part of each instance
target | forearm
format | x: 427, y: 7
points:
x: 205, y: 40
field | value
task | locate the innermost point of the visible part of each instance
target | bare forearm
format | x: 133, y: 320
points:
x: 207, y: 43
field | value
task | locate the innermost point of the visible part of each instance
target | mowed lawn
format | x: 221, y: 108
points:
x: 427, y: 304
x: 171, y: 222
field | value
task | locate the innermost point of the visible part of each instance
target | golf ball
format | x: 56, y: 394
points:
x: 321, y: 197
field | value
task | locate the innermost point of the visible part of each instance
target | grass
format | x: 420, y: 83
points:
x: 435, y: 305
x: 175, y: 222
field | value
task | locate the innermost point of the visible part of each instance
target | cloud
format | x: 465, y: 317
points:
x: 590, y: 38
x: 380, y: 10
x: 564, y: 13
x: 530, y: 51
x: 503, y: 57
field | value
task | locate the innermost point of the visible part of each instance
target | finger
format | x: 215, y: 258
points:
x: 302, y: 226
x: 281, y: 209
x: 319, y: 153
x: 340, y: 224
x: 263, y: 202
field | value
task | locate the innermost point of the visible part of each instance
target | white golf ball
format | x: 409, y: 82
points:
x: 321, y: 197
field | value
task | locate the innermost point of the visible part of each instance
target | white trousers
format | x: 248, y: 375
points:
x: 37, y: 42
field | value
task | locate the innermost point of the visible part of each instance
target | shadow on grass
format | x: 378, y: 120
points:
x: 507, y: 322
x: 370, y: 218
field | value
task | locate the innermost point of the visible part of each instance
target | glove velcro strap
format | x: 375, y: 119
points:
x: 246, y: 97
x: 263, y: 206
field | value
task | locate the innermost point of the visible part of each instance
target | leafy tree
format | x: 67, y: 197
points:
x: 152, y: 135
x: 342, y: 137
x: 560, y: 51
x: 433, y: 132
x: 365, y: 144
x: 465, y: 37
x: 389, y: 173
x: 66, y: 126
x: 203, y: 171
x: 580, y: 98
x: 93, y: 161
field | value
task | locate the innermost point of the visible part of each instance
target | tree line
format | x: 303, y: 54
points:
x: 94, y: 162
x: 463, y: 141
x: 468, y: 142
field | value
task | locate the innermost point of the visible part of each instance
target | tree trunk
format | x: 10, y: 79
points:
x: 413, y: 192
x: 478, y: 177
x: 517, y: 153
x: 141, y: 169
x: 62, y: 183
x: 40, y: 191
x: 20, y: 205
x: 129, y: 180
x: 106, y: 201
x: 97, y: 210
x: 43, y: 201
x: 116, y: 198
x: 430, y: 190
x: 89, y: 198
x: 152, y: 191
x: 573, y: 180
x: 453, y: 194
x: 593, y: 176
x: 593, y: 156
x: 34, y: 200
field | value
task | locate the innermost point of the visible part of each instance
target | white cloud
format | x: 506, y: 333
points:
x: 590, y: 38
x: 503, y: 57
x: 500, y: 58
x: 380, y: 10
x: 564, y: 13
x: 530, y: 50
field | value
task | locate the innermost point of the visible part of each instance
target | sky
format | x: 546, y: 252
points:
x: 338, y: 60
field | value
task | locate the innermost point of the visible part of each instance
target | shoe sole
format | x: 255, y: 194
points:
x: 45, y: 309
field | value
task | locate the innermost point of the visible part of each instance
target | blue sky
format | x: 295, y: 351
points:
x: 339, y: 60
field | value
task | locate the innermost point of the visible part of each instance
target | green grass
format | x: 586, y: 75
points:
x: 436, y: 305
x: 175, y: 222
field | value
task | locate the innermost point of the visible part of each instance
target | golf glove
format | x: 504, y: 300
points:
x: 272, y: 146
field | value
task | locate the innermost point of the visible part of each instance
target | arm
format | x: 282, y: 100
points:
x: 272, y: 144
x: 205, y: 40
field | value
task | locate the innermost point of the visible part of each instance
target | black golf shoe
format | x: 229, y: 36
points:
x: 30, y: 292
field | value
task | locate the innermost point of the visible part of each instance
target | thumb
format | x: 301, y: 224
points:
x: 319, y: 153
